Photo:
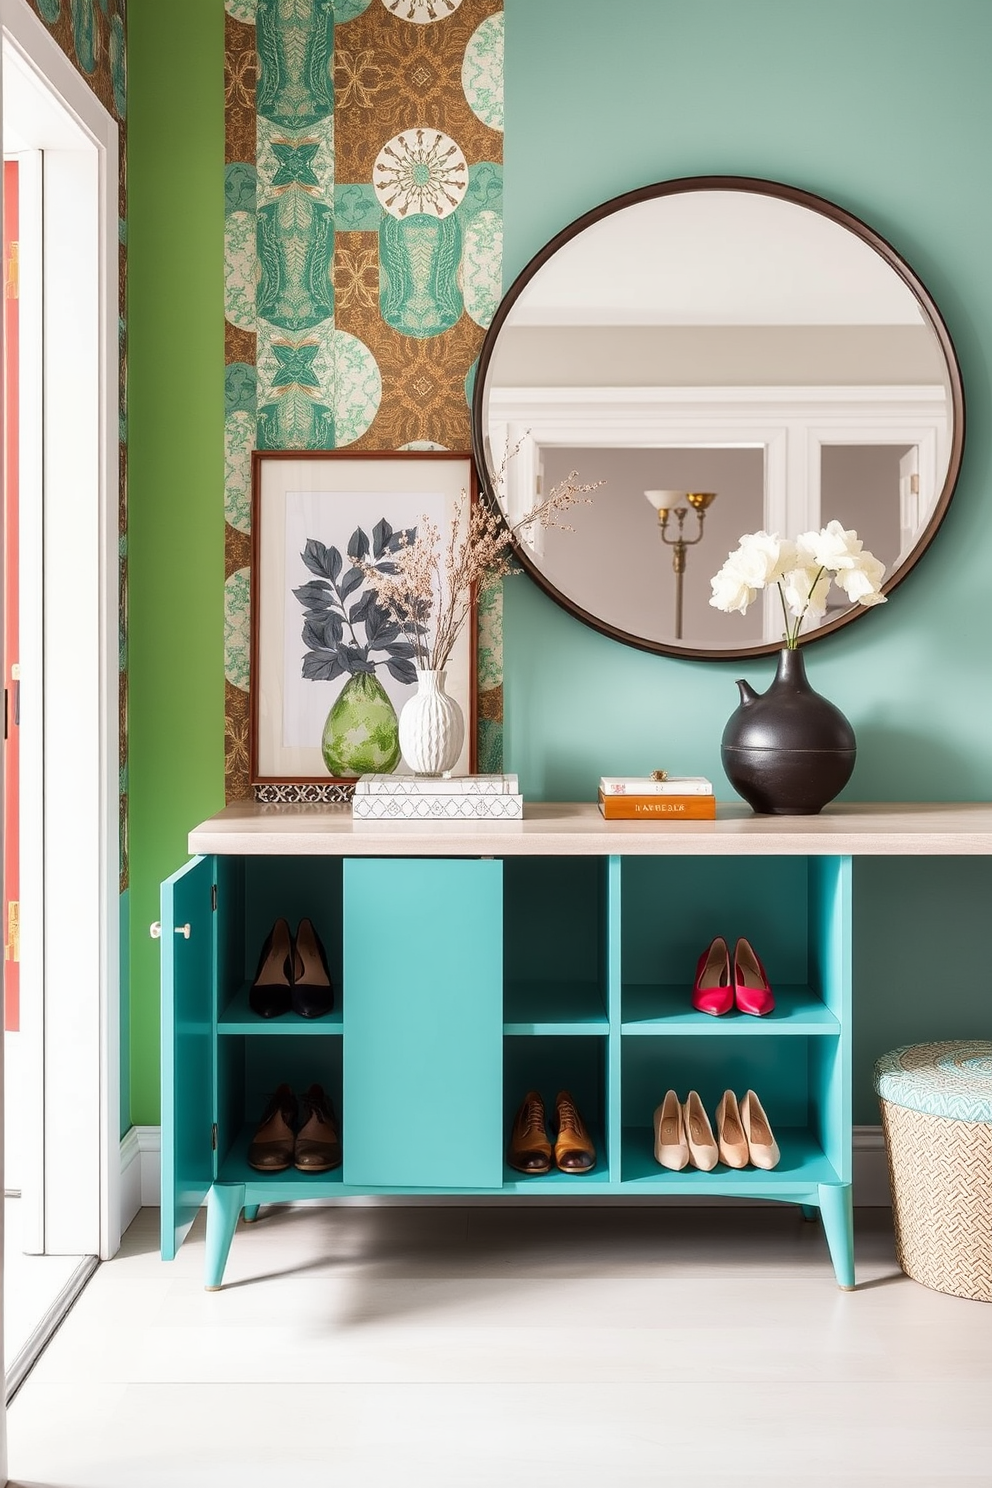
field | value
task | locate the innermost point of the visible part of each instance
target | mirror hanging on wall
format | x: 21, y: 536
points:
x: 727, y: 355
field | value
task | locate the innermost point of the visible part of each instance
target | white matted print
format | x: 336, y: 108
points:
x: 330, y: 670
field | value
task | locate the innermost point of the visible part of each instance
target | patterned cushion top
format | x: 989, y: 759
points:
x: 951, y: 1079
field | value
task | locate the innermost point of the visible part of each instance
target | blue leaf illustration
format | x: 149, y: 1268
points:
x: 404, y: 539
x: 350, y: 582
x: 381, y: 533
x: 315, y: 597
x: 403, y: 671
x: 313, y: 634
x: 321, y: 666
x: 358, y: 611
x: 358, y: 544
x: 320, y: 559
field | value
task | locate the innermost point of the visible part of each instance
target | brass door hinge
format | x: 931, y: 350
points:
x: 12, y: 946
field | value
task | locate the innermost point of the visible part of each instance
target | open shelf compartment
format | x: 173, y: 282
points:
x: 550, y: 1064
x: 554, y: 946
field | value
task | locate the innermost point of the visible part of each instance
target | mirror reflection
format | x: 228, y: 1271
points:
x: 725, y: 359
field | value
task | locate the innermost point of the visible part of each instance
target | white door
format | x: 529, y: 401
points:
x: 69, y: 545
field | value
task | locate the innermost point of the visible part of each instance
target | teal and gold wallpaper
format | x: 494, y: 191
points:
x: 93, y: 35
x: 363, y: 256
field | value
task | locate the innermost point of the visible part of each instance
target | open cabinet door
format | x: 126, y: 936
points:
x: 188, y: 961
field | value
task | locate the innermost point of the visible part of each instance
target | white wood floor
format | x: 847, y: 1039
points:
x: 31, y: 1283
x: 582, y: 1347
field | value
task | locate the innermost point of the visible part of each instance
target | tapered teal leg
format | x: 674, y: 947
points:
x: 224, y: 1204
x: 837, y: 1211
x: 251, y: 1213
x: 810, y: 1213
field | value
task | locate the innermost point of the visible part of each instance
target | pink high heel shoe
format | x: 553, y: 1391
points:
x: 752, y: 993
x: 713, y: 989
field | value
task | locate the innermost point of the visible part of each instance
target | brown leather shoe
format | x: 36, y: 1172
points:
x: 271, y: 1149
x: 318, y: 1146
x: 574, y: 1148
x: 530, y: 1148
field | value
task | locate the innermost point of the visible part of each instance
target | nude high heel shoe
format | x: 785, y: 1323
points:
x: 670, y: 1146
x: 703, y: 1153
x: 761, y: 1145
x: 731, y: 1141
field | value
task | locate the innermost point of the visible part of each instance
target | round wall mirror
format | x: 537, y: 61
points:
x: 726, y: 355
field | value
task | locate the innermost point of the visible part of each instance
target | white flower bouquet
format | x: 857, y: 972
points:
x: 803, y: 571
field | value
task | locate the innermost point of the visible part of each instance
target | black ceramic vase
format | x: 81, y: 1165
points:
x: 787, y: 751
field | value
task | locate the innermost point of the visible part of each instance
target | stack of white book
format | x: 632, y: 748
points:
x: 434, y: 798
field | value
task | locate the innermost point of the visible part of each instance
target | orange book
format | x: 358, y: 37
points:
x: 658, y: 808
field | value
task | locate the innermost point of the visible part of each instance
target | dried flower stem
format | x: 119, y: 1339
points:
x: 429, y: 588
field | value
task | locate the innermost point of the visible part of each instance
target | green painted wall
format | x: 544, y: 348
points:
x: 884, y: 108
x: 176, y: 468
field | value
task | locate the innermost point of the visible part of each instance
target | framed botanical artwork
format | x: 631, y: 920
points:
x: 330, y: 667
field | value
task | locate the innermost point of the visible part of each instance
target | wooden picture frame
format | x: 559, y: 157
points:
x: 308, y: 507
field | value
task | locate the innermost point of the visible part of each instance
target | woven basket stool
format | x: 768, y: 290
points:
x: 936, y: 1104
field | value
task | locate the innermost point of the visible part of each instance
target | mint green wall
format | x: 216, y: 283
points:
x: 176, y: 468
x: 884, y: 108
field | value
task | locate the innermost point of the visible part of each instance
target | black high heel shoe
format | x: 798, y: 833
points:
x: 312, y: 995
x: 270, y: 993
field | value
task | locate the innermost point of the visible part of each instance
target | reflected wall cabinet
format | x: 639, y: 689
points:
x: 472, y: 962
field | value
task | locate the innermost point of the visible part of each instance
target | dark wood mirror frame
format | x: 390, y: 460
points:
x: 824, y: 208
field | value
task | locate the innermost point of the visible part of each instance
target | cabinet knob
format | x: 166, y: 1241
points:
x: 155, y: 930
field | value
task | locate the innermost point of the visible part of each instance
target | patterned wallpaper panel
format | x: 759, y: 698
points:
x: 363, y: 214
x: 93, y: 35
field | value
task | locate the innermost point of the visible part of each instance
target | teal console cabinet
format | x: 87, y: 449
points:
x: 472, y: 962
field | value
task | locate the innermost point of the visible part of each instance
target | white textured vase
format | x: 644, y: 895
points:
x: 432, y: 729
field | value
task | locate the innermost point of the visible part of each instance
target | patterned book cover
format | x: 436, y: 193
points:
x: 643, y: 785
x: 436, y: 785
x: 509, y: 806
x: 658, y: 808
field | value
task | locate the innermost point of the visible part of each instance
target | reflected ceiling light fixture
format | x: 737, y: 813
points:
x: 670, y: 504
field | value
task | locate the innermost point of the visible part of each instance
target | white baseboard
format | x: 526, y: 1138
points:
x: 871, y: 1169
x: 141, y: 1171
x: 141, y: 1166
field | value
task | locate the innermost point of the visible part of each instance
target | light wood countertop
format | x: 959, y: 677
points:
x: 570, y: 829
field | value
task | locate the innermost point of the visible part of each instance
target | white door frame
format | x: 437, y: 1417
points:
x: 78, y: 782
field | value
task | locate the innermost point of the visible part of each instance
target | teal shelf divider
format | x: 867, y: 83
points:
x: 668, y: 1010
x: 237, y: 1017
x: 803, y: 1167
x: 612, y: 938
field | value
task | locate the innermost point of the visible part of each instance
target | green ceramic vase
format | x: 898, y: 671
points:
x: 361, y: 735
